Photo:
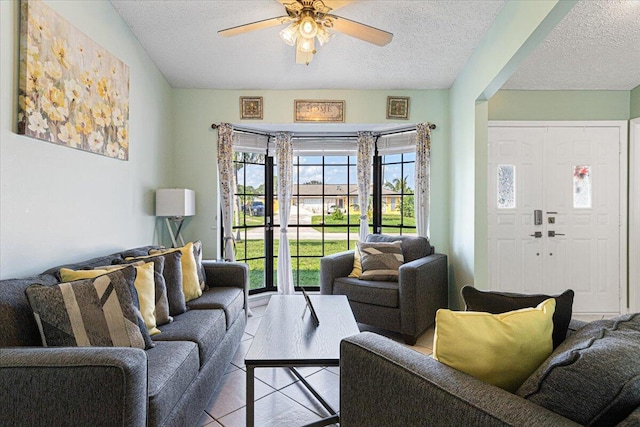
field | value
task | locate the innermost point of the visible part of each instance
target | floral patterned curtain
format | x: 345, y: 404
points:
x: 422, y: 184
x: 226, y: 177
x: 364, y: 165
x: 284, y: 156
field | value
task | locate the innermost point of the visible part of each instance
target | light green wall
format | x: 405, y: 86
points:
x: 635, y: 103
x: 515, y: 33
x: 62, y: 205
x: 559, y: 105
x: 195, y: 144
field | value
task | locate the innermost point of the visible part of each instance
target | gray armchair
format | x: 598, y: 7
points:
x: 407, y: 306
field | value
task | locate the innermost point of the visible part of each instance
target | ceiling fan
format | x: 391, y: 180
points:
x: 311, y: 19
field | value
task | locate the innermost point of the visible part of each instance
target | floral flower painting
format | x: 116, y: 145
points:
x: 72, y: 92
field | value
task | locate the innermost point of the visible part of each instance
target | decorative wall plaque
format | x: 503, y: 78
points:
x: 251, y: 107
x: 398, y: 107
x: 318, y: 111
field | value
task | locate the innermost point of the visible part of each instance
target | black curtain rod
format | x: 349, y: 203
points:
x: 376, y: 134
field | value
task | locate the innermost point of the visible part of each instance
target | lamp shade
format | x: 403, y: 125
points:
x: 175, y: 202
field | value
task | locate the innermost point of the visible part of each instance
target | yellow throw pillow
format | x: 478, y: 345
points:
x: 499, y: 349
x: 190, y: 281
x: 68, y: 275
x: 144, y: 284
x: 357, y: 264
x: 146, y: 288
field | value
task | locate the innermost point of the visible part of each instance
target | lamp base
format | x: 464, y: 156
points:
x: 175, y: 234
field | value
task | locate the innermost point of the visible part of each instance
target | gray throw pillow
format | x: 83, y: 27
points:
x: 161, y: 309
x: 98, y: 312
x: 593, y: 377
x: 197, y: 254
x: 172, y: 273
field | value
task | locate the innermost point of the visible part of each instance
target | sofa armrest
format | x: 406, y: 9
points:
x: 234, y: 274
x: 384, y: 383
x: 228, y: 274
x: 424, y: 288
x: 334, y: 266
x: 73, y: 386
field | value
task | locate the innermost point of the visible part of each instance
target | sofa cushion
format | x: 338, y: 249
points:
x: 172, y: 367
x: 99, y: 312
x: 19, y: 327
x: 190, y: 280
x: 172, y: 274
x: 413, y: 247
x: 499, y: 349
x: 368, y: 291
x: 593, y: 378
x: 230, y: 299
x: 206, y: 328
x: 501, y: 302
x: 380, y: 261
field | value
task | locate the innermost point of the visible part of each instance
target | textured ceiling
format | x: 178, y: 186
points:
x: 596, y: 46
x: 432, y: 41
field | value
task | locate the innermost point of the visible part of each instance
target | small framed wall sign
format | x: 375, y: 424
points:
x: 251, y: 107
x: 398, y: 107
x: 318, y: 111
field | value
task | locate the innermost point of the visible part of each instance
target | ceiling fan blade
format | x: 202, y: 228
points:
x: 337, y: 4
x: 361, y: 31
x: 259, y: 25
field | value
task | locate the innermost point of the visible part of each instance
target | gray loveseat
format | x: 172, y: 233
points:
x: 167, y: 385
x: 593, y: 378
x: 408, y: 305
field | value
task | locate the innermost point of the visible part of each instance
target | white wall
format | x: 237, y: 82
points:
x: 62, y: 205
x: 195, y: 156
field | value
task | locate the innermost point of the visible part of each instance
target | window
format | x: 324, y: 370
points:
x: 582, y: 187
x: 506, y: 186
x: 397, y: 200
x: 325, y: 215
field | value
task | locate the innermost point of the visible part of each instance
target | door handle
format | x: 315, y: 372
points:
x: 537, y: 234
x: 554, y: 234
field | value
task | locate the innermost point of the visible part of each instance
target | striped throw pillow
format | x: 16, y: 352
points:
x: 380, y: 261
x: 97, y: 312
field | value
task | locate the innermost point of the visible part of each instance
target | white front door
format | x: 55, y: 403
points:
x: 555, y: 212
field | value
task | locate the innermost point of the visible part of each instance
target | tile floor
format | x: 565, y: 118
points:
x: 280, y: 398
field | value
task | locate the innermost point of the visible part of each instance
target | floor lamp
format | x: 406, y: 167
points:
x: 175, y: 204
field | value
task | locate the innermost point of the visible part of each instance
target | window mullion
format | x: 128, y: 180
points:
x: 377, y: 192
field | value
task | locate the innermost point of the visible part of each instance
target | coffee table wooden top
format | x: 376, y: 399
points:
x: 286, y: 338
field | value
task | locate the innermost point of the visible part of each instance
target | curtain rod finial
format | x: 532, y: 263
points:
x: 214, y: 126
x: 432, y: 126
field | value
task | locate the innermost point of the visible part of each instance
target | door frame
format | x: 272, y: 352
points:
x: 634, y: 215
x: 624, y: 237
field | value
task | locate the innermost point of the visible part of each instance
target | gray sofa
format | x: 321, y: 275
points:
x: 591, y: 379
x: 407, y: 306
x: 167, y: 385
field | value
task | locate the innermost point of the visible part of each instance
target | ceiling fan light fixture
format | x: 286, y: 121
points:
x: 308, y: 27
x: 306, y: 45
x: 324, y: 36
x: 290, y: 34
